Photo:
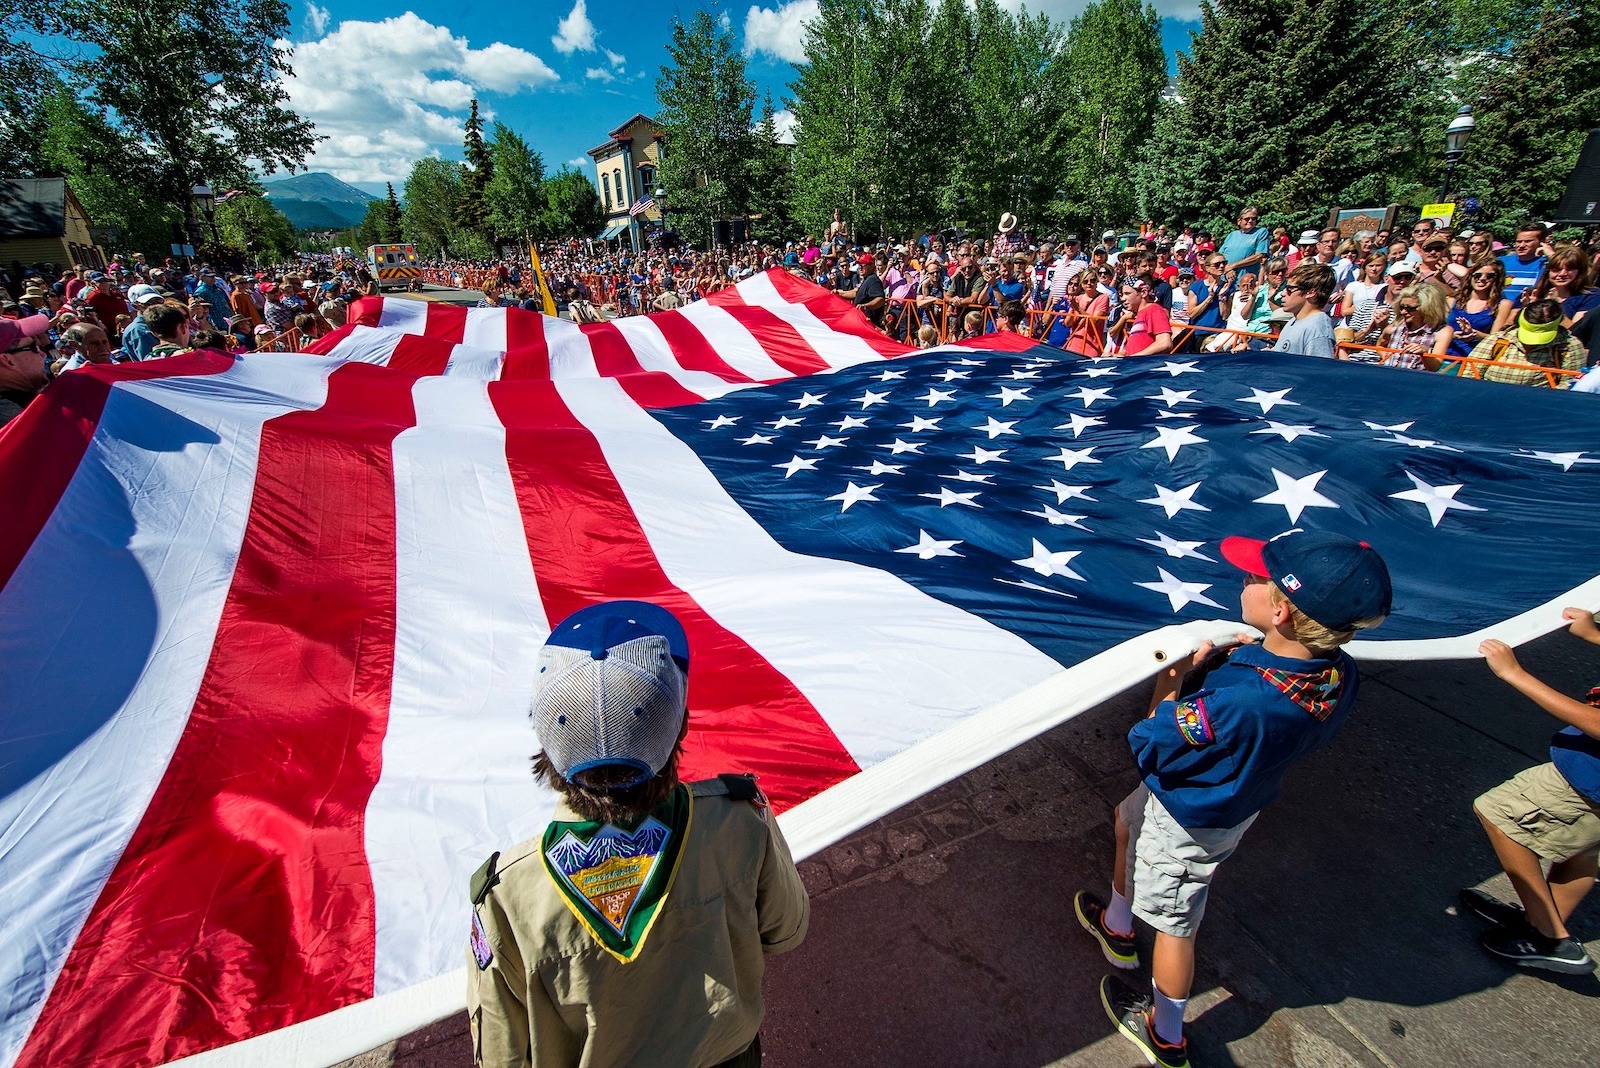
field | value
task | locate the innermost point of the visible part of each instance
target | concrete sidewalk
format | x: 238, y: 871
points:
x: 944, y: 935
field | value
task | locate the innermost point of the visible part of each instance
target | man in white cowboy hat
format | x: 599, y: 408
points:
x: 1007, y: 242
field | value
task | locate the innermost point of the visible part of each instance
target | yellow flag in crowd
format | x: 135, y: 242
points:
x: 544, y: 287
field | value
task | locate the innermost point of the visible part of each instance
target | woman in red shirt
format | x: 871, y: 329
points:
x: 1143, y: 329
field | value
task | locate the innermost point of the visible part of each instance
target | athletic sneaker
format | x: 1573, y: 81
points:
x: 1118, y: 948
x: 1527, y: 948
x: 1131, y: 1011
x: 1491, y: 909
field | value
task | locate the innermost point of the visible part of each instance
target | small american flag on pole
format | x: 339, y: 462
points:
x: 641, y: 206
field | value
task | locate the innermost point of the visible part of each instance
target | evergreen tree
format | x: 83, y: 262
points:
x: 392, y: 213
x: 513, y: 201
x: 432, y: 190
x: 376, y: 227
x: 704, y: 101
x: 1534, y: 103
x: 770, y: 180
x: 1114, y: 69
x: 472, y: 213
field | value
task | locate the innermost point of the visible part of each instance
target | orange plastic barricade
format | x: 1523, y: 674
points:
x: 1468, y: 367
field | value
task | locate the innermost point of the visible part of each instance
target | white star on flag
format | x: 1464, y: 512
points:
x: 758, y: 439
x: 1288, y: 431
x: 980, y: 456
x: 809, y: 400
x: 1007, y: 395
x: 952, y: 375
x: 1064, y: 492
x: 1048, y: 563
x: 1172, y: 397
x: 852, y: 494
x: 903, y: 446
x: 1297, y: 494
x: 1269, y: 399
x: 799, y: 463
x: 1564, y: 460
x: 937, y: 396
x: 878, y: 467
x: 969, y: 476
x: 1089, y: 395
x: 1437, y: 499
x: 1179, y: 367
x: 824, y: 442
x: 890, y: 376
x: 968, y: 362
x: 1071, y: 458
x: 947, y: 496
x: 1418, y: 443
x: 1079, y: 423
x: 850, y: 422
x: 1174, y: 548
x: 1095, y: 372
x: 995, y: 427
x: 1173, y: 438
x: 1060, y: 519
x: 869, y: 398
x: 1397, y: 428
x: 1178, y: 592
x: 721, y: 421
x: 927, y: 546
x: 1174, y: 501
x: 918, y: 424
x: 1018, y: 376
x: 784, y: 421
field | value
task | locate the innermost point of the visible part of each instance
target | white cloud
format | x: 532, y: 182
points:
x: 616, y: 59
x: 724, y: 21
x: 316, y: 19
x: 575, y: 33
x: 385, y: 94
x: 599, y: 74
x: 786, y: 123
x: 578, y: 163
x: 779, y: 31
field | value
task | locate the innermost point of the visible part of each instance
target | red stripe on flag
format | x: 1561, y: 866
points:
x: 657, y: 389
x: 691, y: 349
x: 243, y: 902
x: 41, y: 448
x: 613, y: 356
x: 587, y: 547
x: 325, y: 344
x: 527, y: 348
x: 367, y: 311
x: 780, y: 340
x: 835, y: 311
x: 421, y: 355
x: 446, y: 322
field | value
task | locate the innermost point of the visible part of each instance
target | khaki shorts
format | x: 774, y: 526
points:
x: 1170, y: 868
x: 1538, y: 810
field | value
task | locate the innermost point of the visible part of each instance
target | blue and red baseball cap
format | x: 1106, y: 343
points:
x: 1335, y: 580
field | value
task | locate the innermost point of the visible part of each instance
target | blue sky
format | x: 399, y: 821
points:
x: 388, y: 84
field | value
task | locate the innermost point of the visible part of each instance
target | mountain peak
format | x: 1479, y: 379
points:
x: 318, y: 201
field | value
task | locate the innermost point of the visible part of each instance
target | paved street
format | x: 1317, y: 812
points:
x: 943, y: 935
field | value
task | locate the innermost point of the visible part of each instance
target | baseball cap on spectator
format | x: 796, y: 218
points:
x: 1108, y: 233
x: 207, y: 272
x: 1335, y: 580
x: 263, y: 329
x: 613, y: 684
x: 1437, y: 244
x: 1309, y: 237
x: 1071, y: 239
x: 1205, y: 246
x: 865, y: 259
x: 14, y: 330
x: 1400, y: 267
x: 269, y: 287
x: 96, y: 276
x: 142, y: 294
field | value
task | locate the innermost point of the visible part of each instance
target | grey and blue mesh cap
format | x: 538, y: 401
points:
x: 612, y: 690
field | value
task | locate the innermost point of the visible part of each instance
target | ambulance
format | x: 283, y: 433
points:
x: 394, y: 265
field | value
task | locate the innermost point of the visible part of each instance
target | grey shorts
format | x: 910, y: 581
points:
x: 1170, y: 868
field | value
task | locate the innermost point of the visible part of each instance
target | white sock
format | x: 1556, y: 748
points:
x: 1168, y: 1020
x: 1119, y: 914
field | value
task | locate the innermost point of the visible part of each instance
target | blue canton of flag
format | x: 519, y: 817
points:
x: 1078, y: 503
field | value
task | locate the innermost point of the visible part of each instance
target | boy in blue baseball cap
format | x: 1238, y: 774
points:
x: 1225, y: 725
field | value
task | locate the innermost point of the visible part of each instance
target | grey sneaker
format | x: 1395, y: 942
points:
x: 1527, y: 948
x: 1130, y: 1010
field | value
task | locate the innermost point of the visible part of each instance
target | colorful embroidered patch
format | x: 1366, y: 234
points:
x: 1317, y: 692
x: 480, y: 943
x: 1291, y: 583
x: 1193, y: 723
x: 614, y: 879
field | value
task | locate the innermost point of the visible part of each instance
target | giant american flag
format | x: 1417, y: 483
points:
x: 267, y: 623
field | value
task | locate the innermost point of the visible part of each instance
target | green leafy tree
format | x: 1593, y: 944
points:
x: 251, y: 224
x: 429, y: 219
x: 1114, y: 68
x: 472, y: 212
x: 514, y: 200
x: 704, y: 102
x: 377, y: 227
x: 770, y: 180
x: 1534, y: 104
x: 571, y: 206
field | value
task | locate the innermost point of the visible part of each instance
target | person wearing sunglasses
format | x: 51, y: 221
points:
x: 1307, y: 293
x: 1245, y: 249
x: 1420, y: 335
x: 24, y: 363
x: 1475, y: 309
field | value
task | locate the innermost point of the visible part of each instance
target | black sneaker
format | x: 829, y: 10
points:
x: 1130, y: 1010
x: 1491, y: 909
x: 1118, y: 948
x: 1527, y: 948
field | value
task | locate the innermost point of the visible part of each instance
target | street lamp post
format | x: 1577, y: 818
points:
x: 1456, y: 136
x: 206, y: 201
x: 661, y: 206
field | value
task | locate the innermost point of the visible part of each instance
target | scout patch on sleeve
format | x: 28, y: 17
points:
x: 480, y: 943
x: 1193, y: 723
x: 615, y: 879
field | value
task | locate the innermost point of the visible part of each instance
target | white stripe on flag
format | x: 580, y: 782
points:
x: 485, y: 329
x: 836, y: 348
x: 456, y: 783
x: 650, y: 348
x: 571, y: 355
x: 367, y: 344
x: 916, y: 665
x: 468, y: 361
x: 737, y: 346
x: 406, y: 316
x: 120, y: 594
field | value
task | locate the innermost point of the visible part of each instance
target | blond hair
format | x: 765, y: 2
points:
x: 1313, y: 635
x: 1432, y: 301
